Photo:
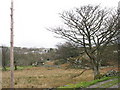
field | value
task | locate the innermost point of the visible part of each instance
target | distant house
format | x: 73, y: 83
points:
x: 25, y: 52
x: 116, y: 51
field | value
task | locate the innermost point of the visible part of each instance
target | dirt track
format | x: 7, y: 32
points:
x: 100, y: 84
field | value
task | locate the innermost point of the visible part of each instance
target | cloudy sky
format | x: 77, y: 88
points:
x: 32, y: 17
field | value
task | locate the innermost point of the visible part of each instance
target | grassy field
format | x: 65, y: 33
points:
x: 46, y: 77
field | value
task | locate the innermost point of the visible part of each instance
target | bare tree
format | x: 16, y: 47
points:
x: 92, y: 28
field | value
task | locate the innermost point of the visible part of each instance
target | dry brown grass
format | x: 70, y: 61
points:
x: 41, y: 77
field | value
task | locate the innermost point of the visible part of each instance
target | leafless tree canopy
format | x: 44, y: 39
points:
x: 91, y: 27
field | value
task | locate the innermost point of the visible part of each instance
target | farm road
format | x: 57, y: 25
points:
x: 106, y: 84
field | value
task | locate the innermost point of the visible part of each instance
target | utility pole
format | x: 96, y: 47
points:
x: 118, y: 28
x: 12, y: 49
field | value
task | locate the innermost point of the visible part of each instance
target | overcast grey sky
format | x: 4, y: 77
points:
x: 32, y: 17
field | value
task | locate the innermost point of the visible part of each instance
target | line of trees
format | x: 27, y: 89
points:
x: 64, y: 53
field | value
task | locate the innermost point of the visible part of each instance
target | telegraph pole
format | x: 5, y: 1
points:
x: 118, y: 28
x: 12, y: 49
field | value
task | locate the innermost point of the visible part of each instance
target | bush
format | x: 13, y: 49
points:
x: 60, y: 61
x: 99, y: 76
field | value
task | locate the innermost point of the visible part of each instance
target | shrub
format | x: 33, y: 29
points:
x: 60, y: 61
x: 99, y: 76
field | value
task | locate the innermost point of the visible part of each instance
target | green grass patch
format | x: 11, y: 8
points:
x: 19, y: 67
x: 84, y: 84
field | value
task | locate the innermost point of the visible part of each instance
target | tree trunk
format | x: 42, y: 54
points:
x: 95, y: 66
x: 4, y: 68
x: 15, y: 67
x: 3, y: 58
x: 96, y: 71
x: 3, y: 63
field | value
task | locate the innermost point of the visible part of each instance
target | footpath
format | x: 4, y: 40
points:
x: 112, y: 83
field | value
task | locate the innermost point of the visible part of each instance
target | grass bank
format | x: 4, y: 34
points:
x: 86, y: 84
